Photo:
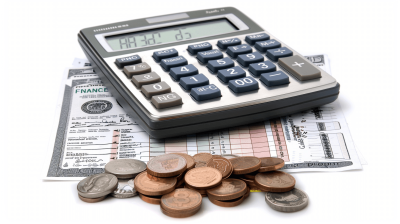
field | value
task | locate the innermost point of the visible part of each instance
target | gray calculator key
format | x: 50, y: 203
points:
x: 205, y: 92
x: 242, y: 85
x: 137, y: 69
x: 194, y: 48
x: 234, y: 51
x: 194, y: 81
x: 261, y: 67
x: 274, y: 78
x: 187, y: 70
x: 169, y: 53
x: 155, y: 89
x: 169, y: 63
x: 252, y: 39
x: 263, y: 46
x: 205, y: 56
x: 223, y: 44
x: 302, y: 69
x: 215, y: 65
x: 131, y: 60
x: 231, y: 73
x: 166, y: 100
x: 145, y: 79
x: 275, y: 54
x: 246, y: 59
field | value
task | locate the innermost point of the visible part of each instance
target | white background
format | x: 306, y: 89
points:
x: 39, y: 39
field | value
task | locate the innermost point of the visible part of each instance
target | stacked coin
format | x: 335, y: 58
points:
x: 203, y: 159
x: 202, y: 178
x: 95, y: 188
x: 181, y: 203
x: 230, y: 193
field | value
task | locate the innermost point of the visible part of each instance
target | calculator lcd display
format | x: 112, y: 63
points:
x: 170, y: 34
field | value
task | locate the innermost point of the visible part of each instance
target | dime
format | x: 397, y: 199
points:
x: 223, y: 165
x: 229, y: 189
x: 291, y: 201
x: 125, y: 189
x: 189, y: 160
x: 91, y: 200
x: 271, y: 164
x: 153, y: 187
x: 229, y: 156
x: 245, y: 164
x: 203, y: 159
x: 181, y: 202
x: 97, y: 185
x: 203, y: 177
x: 155, y: 200
x: 167, y: 165
x: 228, y: 203
x: 275, y: 181
x: 125, y: 168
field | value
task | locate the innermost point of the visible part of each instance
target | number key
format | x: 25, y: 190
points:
x: 187, y: 70
x: 194, y: 81
x: 247, y: 59
x: 155, y: 89
x: 215, y: 65
x: 145, y: 79
x: 262, y: 67
x: 137, y: 69
x: 231, y: 73
x: 243, y: 85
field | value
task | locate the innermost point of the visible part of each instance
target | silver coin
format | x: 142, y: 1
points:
x: 125, y: 168
x: 229, y: 156
x: 291, y: 201
x: 125, y: 189
x: 98, y: 185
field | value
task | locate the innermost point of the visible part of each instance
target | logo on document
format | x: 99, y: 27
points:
x: 96, y: 106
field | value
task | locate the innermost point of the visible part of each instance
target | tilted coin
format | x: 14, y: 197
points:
x: 97, y: 185
x: 92, y: 200
x: 223, y: 165
x: 155, y: 200
x: 189, y: 160
x: 203, y: 177
x: 167, y: 165
x: 229, y: 156
x: 153, y: 187
x: 125, y: 168
x: 203, y: 159
x: 228, y: 203
x: 201, y: 191
x: 275, y: 181
x: 181, y: 201
x: 125, y: 189
x: 229, y: 189
x: 291, y: 201
x: 271, y: 164
x: 245, y: 164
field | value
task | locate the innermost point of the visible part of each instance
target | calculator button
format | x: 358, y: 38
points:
x: 183, y: 71
x: 274, y: 78
x: 252, y: 39
x: 205, y: 56
x: 247, y: 59
x: 193, y: 81
x: 205, y: 92
x: 169, y: 63
x: 234, y: 51
x: 169, y: 53
x: 194, y: 48
x: 243, y: 85
x: 137, y: 69
x: 131, y: 60
x: 262, y: 67
x: 263, y: 46
x: 155, y: 89
x: 300, y: 68
x: 223, y: 44
x: 166, y: 100
x: 149, y: 78
x: 231, y: 73
x: 215, y: 65
x: 275, y: 54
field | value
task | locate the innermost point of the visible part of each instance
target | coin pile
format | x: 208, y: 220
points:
x: 177, y: 182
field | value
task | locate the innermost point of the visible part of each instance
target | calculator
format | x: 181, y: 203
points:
x: 202, y: 70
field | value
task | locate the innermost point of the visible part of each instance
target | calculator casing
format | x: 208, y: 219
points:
x: 264, y: 104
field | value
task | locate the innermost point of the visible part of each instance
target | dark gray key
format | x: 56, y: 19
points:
x: 262, y: 67
x: 131, y: 60
x: 231, y: 73
x: 169, y: 53
x: 223, y: 44
x: 215, y: 65
x: 246, y: 59
x: 183, y: 71
x: 194, y: 48
x: 263, y: 46
x: 234, y: 51
x: 205, y: 56
x: 169, y: 63
x: 137, y: 69
x: 302, y: 69
x: 252, y: 39
x: 166, y: 100
x: 205, y: 92
x: 155, y: 89
x: 243, y: 85
x: 149, y: 78
x: 275, y: 54
x: 194, y: 81
x: 274, y: 78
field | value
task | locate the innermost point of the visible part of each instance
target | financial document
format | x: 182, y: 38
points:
x: 92, y: 128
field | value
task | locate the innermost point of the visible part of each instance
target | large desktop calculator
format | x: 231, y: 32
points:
x: 197, y: 71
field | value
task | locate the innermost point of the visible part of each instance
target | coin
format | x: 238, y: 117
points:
x: 228, y: 203
x: 271, y: 164
x: 179, y: 215
x: 181, y: 202
x: 250, y: 176
x: 253, y: 187
x: 203, y: 177
x: 203, y: 159
x: 156, y: 200
x: 291, y: 201
x: 125, y: 189
x: 189, y: 160
x: 223, y: 165
x: 201, y: 191
x: 247, y: 194
x: 245, y: 164
x: 167, y: 165
x: 229, y: 156
x: 275, y: 181
x: 91, y: 200
x: 97, y: 185
x: 125, y: 168
x: 154, y: 187
x: 229, y: 189
x: 180, y: 183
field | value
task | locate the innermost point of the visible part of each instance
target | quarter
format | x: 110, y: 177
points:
x: 291, y: 201
x: 97, y: 185
x: 91, y: 200
x: 125, y: 168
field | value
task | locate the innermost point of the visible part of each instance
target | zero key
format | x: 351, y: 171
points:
x: 302, y: 69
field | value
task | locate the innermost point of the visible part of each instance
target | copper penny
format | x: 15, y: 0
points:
x: 203, y: 159
x: 92, y: 200
x: 247, y: 193
x: 229, y: 189
x: 189, y: 160
x: 179, y: 215
x: 181, y: 201
x: 203, y: 177
x: 154, y: 187
x: 167, y: 165
x: 223, y: 165
x: 245, y: 164
x: 271, y: 164
x: 155, y: 200
x: 201, y: 191
x: 250, y: 176
x: 275, y: 181
x: 228, y: 203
